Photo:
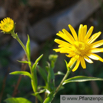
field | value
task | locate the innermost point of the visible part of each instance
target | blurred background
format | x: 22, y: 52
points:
x: 42, y: 19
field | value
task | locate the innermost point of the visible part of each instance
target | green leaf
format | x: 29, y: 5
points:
x: 59, y: 73
x: 9, y: 96
x: 17, y: 100
x: 23, y: 61
x: 28, y: 47
x: 69, y: 68
x: 41, y: 91
x: 50, y: 78
x: 21, y: 73
x: 41, y: 87
x: 81, y: 79
x: 66, y: 65
x: 36, y: 62
x: 43, y: 74
x: 48, y: 99
x: 51, y: 74
x: 34, y: 74
x: 61, y: 88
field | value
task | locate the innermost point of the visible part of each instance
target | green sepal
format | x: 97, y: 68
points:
x: 28, y: 47
x: 14, y: 35
x: 21, y: 73
x: 53, y: 58
x: 17, y: 100
x: 59, y: 73
x: 81, y: 79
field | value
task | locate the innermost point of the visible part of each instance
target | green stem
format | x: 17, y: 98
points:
x: 64, y: 78
x: 15, y: 36
x: 66, y: 75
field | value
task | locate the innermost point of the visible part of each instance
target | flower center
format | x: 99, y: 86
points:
x: 80, y: 45
x: 80, y: 48
x: 6, y: 26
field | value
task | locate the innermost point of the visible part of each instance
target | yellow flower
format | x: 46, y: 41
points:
x: 79, y: 48
x: 7, y: 25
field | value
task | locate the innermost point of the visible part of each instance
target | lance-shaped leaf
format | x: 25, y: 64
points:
x: 34, y: 74
x: 43, y: 74
x: 69, y: 68
x: 81, y: 79
x: 28, y: 47
x: 17, y: 100
x: 23, y: 61
x: 41, y: 91
x: 21, y: 73
x: 50, y: 78
x: 48, y: 99
x: 34, y: 81
x: 36, y: 62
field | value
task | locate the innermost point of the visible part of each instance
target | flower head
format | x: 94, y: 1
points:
x: 7, y: 25
x: 79, y: 48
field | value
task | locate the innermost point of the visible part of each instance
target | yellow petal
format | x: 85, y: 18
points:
x: 89, y: 33
x: 61, y: 42
x: 71, y: 54
x: 64, y: 36
x: 73, y: 32
x: 94, y: 37
x: 82, y: 62
x: 84, y: 30
x: 76, y: 66
x: 72, y: 60
x: 96, y: 50
x: 68, y: 35
x: 80, y: 32
x: 97, y: 43
x: 95, y: 57
x: 88, y: 59
x: 56, y: 50
x: 62, y: 50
